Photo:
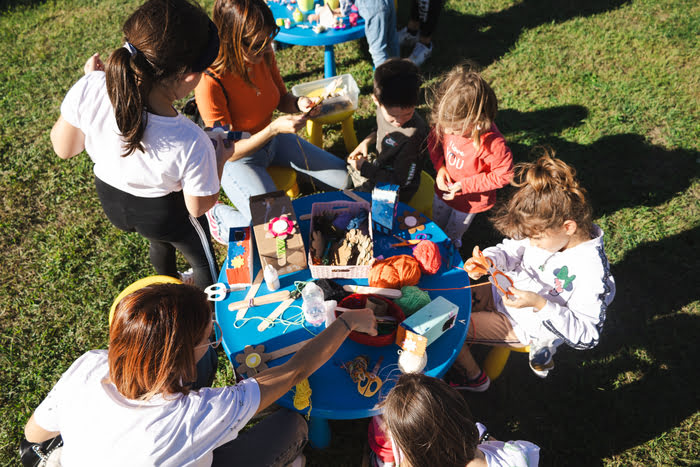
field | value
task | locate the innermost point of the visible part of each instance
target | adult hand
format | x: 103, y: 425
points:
x: 288, y: 123
x: 361, y: 320
x: 470, y: 267
x: 94, y: 63
x: 452, y: 190
x: 443, y: 179
x: 524, y: 299
x: 305, y: 104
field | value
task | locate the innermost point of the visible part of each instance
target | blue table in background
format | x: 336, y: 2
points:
x: 306, y: 36
x: 334, y: 395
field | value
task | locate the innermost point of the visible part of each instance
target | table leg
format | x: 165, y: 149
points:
x: 319, y: 432
x: 329, y: 62
x: 349, y: 135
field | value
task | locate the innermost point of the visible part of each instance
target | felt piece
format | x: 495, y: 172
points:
x: 428, y: 255
x: 332, y: 290
x: 395, y: 272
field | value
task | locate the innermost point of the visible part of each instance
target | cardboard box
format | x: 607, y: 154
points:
x: 239, y: 260
x: 428, y: 324
x: 277, y: 235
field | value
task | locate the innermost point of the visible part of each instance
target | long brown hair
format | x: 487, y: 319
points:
x: 430, y: 422
x: 152, y: 339
x: 169, y: 38
x: 548, y: 195
x: 463, y: 101
x: 242, y: 24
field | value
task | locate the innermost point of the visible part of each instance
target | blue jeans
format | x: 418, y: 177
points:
x: 380, y: 29
x: 248, y: 176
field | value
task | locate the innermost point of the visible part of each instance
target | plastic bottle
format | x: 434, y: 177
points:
x: 271, y: 278
x: 313, y: 306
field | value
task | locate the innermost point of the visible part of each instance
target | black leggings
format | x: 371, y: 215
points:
x: 426, y: 13
x: 167, y: 225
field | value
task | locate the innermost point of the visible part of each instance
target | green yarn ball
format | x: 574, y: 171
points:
x: 412, y: 300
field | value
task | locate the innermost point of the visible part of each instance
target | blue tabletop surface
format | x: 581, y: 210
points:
x: 334, y: 395
x: 306, y: 36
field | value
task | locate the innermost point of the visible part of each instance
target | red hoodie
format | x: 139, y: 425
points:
x: 480, y: 171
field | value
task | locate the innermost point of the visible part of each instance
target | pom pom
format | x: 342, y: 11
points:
x: 412, y: 363
x: 428, y: 255
x: 395, y: 272
x: 412, y: 299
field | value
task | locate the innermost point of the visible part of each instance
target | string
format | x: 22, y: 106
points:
x: 302, y: 396
x: 303, y: 153
x: 459, y: 288
x: 296, y: 320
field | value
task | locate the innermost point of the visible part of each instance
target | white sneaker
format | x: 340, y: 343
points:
x: 420, y: 53
x: 187, y: 277
x: 406, y: 38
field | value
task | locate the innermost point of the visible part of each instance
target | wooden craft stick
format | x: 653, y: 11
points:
x: 361, y: 289
x: 261, y: 300
x: 354, y: 196
x: 305, y: 217
x: 251, y: 293
x: 275, y: 313
x: 286, y: 350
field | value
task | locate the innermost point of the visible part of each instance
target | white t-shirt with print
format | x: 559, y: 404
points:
x: 178, y: 154
x: 101, y: 427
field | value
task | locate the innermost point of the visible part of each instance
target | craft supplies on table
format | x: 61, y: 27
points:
x: 385, y: 201
x: 341, y: 97
x: 239, y: 257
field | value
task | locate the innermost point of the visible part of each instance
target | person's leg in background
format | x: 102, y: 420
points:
x: 194, y: 242
x: 276, y: 440
x: 419, y: 30
x: 457, y: 225
x: 162, y: 256
x: 380, y: 29
x: 327, y: 171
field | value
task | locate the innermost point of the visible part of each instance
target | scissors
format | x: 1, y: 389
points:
x: 365, y: 386
x: 484, y: 265
x: 217, y: 292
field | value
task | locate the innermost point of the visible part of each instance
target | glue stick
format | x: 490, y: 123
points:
x: 271, y: 278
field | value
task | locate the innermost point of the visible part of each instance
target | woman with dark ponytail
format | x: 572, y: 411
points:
x: 156, y: 172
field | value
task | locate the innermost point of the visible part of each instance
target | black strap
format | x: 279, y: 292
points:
x: 223, y: 89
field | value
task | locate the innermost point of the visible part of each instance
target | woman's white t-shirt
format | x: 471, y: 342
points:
x: 101, y: 427
x: 178, y: 154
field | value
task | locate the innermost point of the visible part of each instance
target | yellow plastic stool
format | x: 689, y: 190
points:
x: 138, y: 285
x: 497, y: 358
x: 285, y: 179
x: 422, y: 200
x: 314, y: 128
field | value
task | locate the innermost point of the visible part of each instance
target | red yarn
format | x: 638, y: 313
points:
x: 395, y: 272
x: 428, y: 255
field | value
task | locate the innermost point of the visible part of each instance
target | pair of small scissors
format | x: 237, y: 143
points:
x: 365, y: 387
x: 217, y: 292
x: 484, y: 265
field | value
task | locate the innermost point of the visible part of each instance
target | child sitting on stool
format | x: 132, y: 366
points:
x: 401, y: 133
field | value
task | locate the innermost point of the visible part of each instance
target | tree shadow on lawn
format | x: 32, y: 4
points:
x: 639, y: 383
x: 486, y: 38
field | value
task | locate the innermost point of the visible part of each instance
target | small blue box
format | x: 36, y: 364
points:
x: 432, y: 320
x: 385, y: 202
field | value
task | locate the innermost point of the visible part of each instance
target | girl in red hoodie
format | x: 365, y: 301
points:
x: 468, y: 152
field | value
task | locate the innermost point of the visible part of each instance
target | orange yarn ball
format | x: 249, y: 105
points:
x: 428, y: 255
x: 395, y: 272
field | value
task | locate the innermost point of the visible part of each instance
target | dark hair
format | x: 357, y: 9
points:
x: 464, y: 101
x: 152, y: 339
x: 430, y: 422
x: 548, y: 195
x: 169, y: 38
x: 397, y: 83
x: 242, y: 24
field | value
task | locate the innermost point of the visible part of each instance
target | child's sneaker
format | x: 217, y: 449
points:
x: 214, y: 226
x: 421, y: 53
x: 187, y: 277
x: 542, y: 360
x: 407, y: 38
x: 459, y: 380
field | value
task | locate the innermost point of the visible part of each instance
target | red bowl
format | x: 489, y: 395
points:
x: 356, y: 301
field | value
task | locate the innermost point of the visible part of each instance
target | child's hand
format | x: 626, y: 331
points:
x: 94, y: 63
x: 356, y: 162
x: 288, y: 123
x: 452, y: 190
x: 360, y: 152
x: 524, y: 299
x: 443, y: 179
x: 470, y: 267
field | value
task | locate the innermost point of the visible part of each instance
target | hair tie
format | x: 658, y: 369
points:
x: 130, y: 47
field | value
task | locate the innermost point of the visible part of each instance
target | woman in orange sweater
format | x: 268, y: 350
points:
x: 243, y: 89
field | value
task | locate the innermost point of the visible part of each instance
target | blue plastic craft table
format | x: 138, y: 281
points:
x: 306, y: 36
x: 334, y: 394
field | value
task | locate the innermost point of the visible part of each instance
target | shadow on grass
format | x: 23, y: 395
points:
x: 636, y: 385
x: 6, y: 5
x: 486, y: 38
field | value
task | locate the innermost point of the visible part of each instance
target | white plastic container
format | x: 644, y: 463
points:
x: 345, y: 103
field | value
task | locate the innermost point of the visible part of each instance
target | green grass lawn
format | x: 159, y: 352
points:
x: 613, y: 86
